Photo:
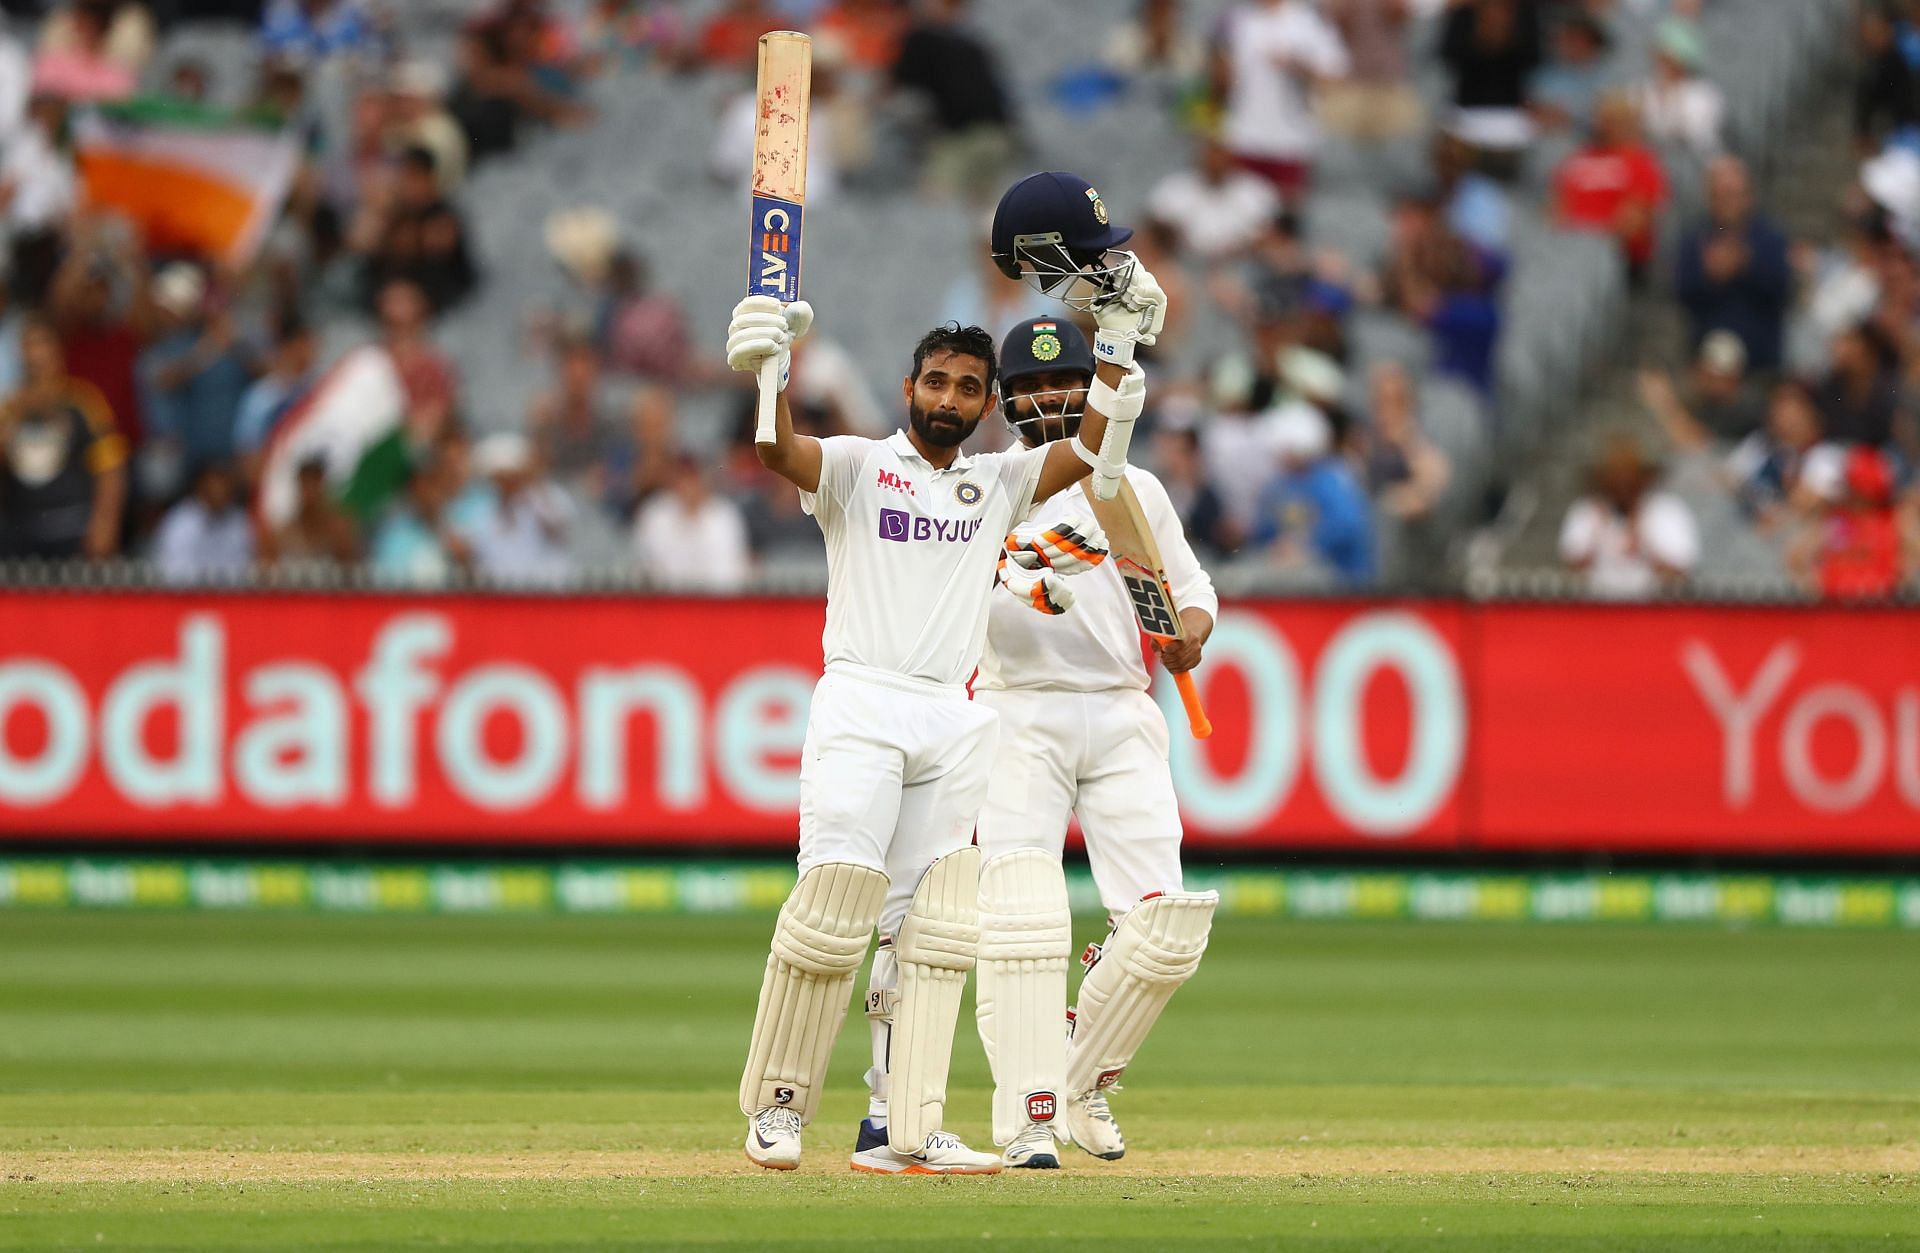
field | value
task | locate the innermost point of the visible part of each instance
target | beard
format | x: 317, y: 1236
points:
x: 943, y: 428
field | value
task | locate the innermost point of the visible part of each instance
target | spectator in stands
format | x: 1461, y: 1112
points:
x: 578, y: 441
x: 93, y: 50
x: 321, y: 530
x: 1840, y: 285
x: 1720, y: 401
x: 1406, y: 474
x: 1492, y: 48
x: 414, y: 545
x: 1564, y: 91
x: 101, y: 305
x: 63, y: 475
x: 1614, y: 185
x: 1860, y: 393
x: 288, y: 378
x: 641, y: 330
x: 426, y: 373
x: 1625, y: 538
x: 194, y: 373
x: 501, y: 88
x: 1854, y: 550
x: 208, y: 534
x: 519, y: 535
x: 957, y: 76
x: 687, y: 538
x: 1733, y: 271
x: 1787, y: 468
x: 1434, y: 279
x: 1156, y: 49
x: 417, y: 117
x: 1679, y: 105
x: 1886, y: 95
x: 38, y: 189
x: 1376, y: 102
x: 1314, y: 515
x: 1476, y: 207
x: 1270, y: 57
x: 728, y: 40
x: 869, y: 30
x: 417, y: 235
x: 1214, y: 209
x: 1183, y: 472
x: 308, y: 31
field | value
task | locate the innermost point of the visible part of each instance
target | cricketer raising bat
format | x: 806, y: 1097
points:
x: 779, y: 189
x: 1136, y: 557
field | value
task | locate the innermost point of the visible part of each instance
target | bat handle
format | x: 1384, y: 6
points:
x: 763, y: 426
x: 1197, y: 721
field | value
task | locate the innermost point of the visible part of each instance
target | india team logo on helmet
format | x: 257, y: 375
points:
x: 1051, y: 230
x: 1050, y: 347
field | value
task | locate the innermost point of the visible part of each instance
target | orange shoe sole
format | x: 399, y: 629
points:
x: 917, y: 1169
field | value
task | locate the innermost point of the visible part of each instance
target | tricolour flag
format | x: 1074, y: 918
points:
x: 191, y: 179
x: 351, y: 420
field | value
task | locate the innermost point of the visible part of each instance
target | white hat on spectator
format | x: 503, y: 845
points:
x: 418, y: 78
x: 583, y: 240
x: 1298, y: 432
x: 1314, y: 375
x: 1892, y: 180
x: 179, y: 288
x: 503, y: 452
x: 1723, y: 352
x: 1823, y: 471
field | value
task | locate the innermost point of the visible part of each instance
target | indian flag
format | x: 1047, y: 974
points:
x: 352, y: 419
x: 191, y: 179
x: 1043, y: 328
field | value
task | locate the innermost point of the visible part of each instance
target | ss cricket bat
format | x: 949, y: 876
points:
x: 779, y: 189
x: 1136, y: 556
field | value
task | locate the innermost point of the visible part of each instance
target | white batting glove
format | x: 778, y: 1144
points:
x: 1043, y: 591
x: 1134, y: 315
x: 762, y: 327
x: 1073, y: 545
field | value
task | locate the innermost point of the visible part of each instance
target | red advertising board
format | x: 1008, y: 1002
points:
x: 1355, y: 725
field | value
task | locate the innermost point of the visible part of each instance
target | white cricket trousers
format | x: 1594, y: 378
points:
x: 1101, y: 755
x: 892, y: 776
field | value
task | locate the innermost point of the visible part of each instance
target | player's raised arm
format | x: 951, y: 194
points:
x: 764, y: 330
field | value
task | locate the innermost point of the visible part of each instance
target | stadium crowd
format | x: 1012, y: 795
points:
x: 146, y: 388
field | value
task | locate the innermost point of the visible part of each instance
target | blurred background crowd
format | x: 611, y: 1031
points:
x: 1608, y: 296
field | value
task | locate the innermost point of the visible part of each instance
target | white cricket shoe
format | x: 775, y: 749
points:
x: 1093, y: 1127
x: 1033, y: 1149
x: 773, y: 1137
x: 943, y: 1154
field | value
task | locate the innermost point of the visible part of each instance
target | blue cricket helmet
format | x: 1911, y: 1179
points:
x: 1052, y: 228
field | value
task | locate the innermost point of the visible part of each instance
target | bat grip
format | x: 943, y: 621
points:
x: 763, y: 425
x: 1197, y: 721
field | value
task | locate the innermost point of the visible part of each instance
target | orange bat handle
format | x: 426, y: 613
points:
x: 1196, y: 713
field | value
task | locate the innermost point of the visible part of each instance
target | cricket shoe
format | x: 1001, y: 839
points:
x: 873, y: 1135
x: 773, y: 1137
x: 1033, y: 1149
x: 942, y: 1154
x: 1093, y: 1128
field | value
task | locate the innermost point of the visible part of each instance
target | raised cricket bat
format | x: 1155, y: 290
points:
x: 779, y: 189
x: 1136, y: 556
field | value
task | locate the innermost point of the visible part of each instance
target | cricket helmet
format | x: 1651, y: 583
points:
x: 1051, y: 230
x: 1045, y: 346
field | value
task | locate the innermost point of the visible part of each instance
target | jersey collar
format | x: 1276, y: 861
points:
x: 904, y: 446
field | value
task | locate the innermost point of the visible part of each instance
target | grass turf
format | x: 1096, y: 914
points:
x: 199, y: 1081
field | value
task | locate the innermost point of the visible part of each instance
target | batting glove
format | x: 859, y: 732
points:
x: 1135, y: 314
x: 1043, y: 591
x: 1073, y: 545
x: 762, y: 327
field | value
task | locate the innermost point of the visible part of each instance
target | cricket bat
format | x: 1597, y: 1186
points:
x: 779, y: 189
x: 1131, y: 548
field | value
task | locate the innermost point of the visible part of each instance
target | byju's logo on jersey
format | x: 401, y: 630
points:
x: 900, y: 526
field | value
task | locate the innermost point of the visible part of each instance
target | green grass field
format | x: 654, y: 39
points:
x: 258, y: 1081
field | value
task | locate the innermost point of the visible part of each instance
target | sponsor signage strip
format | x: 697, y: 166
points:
x: 1364, y: 727
x: 759, y: 888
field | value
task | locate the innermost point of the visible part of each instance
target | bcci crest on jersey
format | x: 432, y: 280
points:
x: 901, y: 526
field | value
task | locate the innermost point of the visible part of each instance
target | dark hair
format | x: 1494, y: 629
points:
x: 965, y: 341
x: 421, y: 159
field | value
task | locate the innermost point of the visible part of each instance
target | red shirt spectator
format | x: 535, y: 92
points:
x: 869, y: 30
x: 1859, y: 555
x: 1614, y: 184
x: 730, y: 38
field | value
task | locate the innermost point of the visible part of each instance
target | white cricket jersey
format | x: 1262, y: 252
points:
x: 911, y: 551
x: 1095, y: 645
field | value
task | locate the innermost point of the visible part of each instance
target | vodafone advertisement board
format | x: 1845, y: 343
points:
x: 1357, y: 726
